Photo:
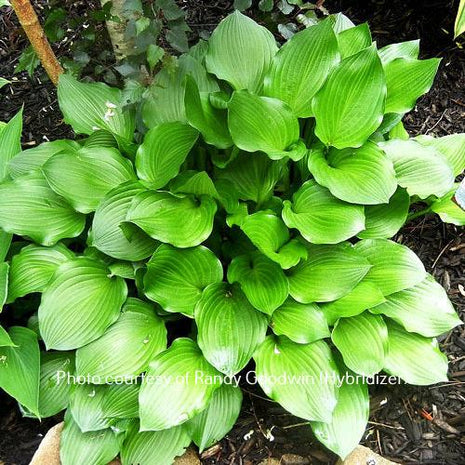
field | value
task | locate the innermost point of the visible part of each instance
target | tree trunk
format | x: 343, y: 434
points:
x: 30, y: 23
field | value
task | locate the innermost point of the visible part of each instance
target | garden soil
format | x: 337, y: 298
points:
x: 410, y: 425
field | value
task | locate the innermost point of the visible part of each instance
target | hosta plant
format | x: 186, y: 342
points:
x: 242, y: 220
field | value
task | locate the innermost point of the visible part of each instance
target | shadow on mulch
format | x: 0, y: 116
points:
x: 397, y: 429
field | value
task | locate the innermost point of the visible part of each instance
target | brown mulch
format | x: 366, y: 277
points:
x: 410, y: 425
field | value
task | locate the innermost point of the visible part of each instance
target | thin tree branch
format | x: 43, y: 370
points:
x: 36, y: 35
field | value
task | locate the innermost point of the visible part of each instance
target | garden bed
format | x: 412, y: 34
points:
x: 400, y: 425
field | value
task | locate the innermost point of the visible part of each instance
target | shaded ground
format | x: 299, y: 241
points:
x: 397, y: 429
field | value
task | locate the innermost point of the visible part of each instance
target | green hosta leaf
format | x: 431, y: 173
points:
x: 180, y: 220
x: 240, y: 52
x: 95, y: 447
x: 264, y: 124
x: 341, y: 22
x: 121, y: 401
x: 126, y: 347
x: 320, y: 217
x: 10, y: 142
x: 301, y: 377
x: 302, y: 323
x: 106, y: 233
x: 350, y: 417
x: 448, y: 210
x: 5, y: 339
x: 354, y: 39
x: 90, y: 107
x: 4, y: 279
x: 384, y: 221
x: 79, y: 304
x: 207, y: 119
x: 175, y: 278
x: 399, y: 131
x: 211, y: 425
x: 358, y: 82
x: 45, y: 217
x: 363, y: 175
x: 33, y: 267
x: 29, y: 160
x: 5, y: 242
x: 252, y: 176
x: 424, y: 309
x: 363, y: 296
x: 301, y: 66
x: 20, y: 368
x: 262, y: 280
x: 329, y: 273
x: 271, y: 236
x: 3, y: 81
x: 54, y: 389
x: 409, y: 49
x: 178, y: 385
x: 86, y: 406
x: 451, y: 146
x: 422, y: 170
x: 394, y: 266
x: 89, y: 175
x: 230, y: 329
x: 194, y: 182
x: 160, y: 447
x: 163, y: 151
x: 362, y: 341
x: 459, y: 26
x: 408, y: 79
x: 414, y: 358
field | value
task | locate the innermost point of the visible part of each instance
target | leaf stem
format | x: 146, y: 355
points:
x: 419, y: 213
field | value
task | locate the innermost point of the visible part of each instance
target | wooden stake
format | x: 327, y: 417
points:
x: 36, y: 35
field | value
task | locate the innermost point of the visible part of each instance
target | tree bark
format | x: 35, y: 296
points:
x: 36, y: 35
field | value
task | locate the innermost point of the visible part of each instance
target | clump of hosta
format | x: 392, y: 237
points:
x: 260, y: 209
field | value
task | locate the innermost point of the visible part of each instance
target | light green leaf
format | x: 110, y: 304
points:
x: 33, y: 267
x: 45, y: 217
x: 264, y: 124
x: 5, y: 242
x: 364, y: 175
x: 414, y: 358
x: 90, y: 107
x: 363, y: 296
x: 148, y: 448
x: 271, y: 236
x: 354, y: 39
x: 211, y: 425
x: 262, y: 280
x: 394, y: 266
x: 106, y: 233
x: 195, y: 183
x: 122, y: 401
x: 350, y: 417
x: 178, y: 385
x: 408, y: 79
x: 240, y: 52
x: 204, y: 117
x: 54, y: 389
x: 341, y: 22
x: 459, y: 26
x: 10, y: 142
x: 30, y: 159
x: 363, y: 342
x: 154, y: 55
x: 448, y: 210
x: 79, y: 304
x: 126, y: 347
x: 329, y: 273
x: 422, y: 170
x: 302, y: 323
x: 95, y: 447
x: 399, y: 131
x: 384, y: 221
x: 424, y: 309
x: 4, y: 279
x: 175, y: 278
x: 89, y: 175
x: 3, y: 81
x: 5, y: 339
x: 229, y: 328
x: 451, y: 146
x: 320, y: 217
x: 408, y: 50
x: 180, y: 220
x: 300, y: 377
x: 301, y: 66
x: 358, y: 82
x: 163, y: 151
x: 20, y: 367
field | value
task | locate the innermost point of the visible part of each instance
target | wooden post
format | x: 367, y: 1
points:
x: 36, y: 35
